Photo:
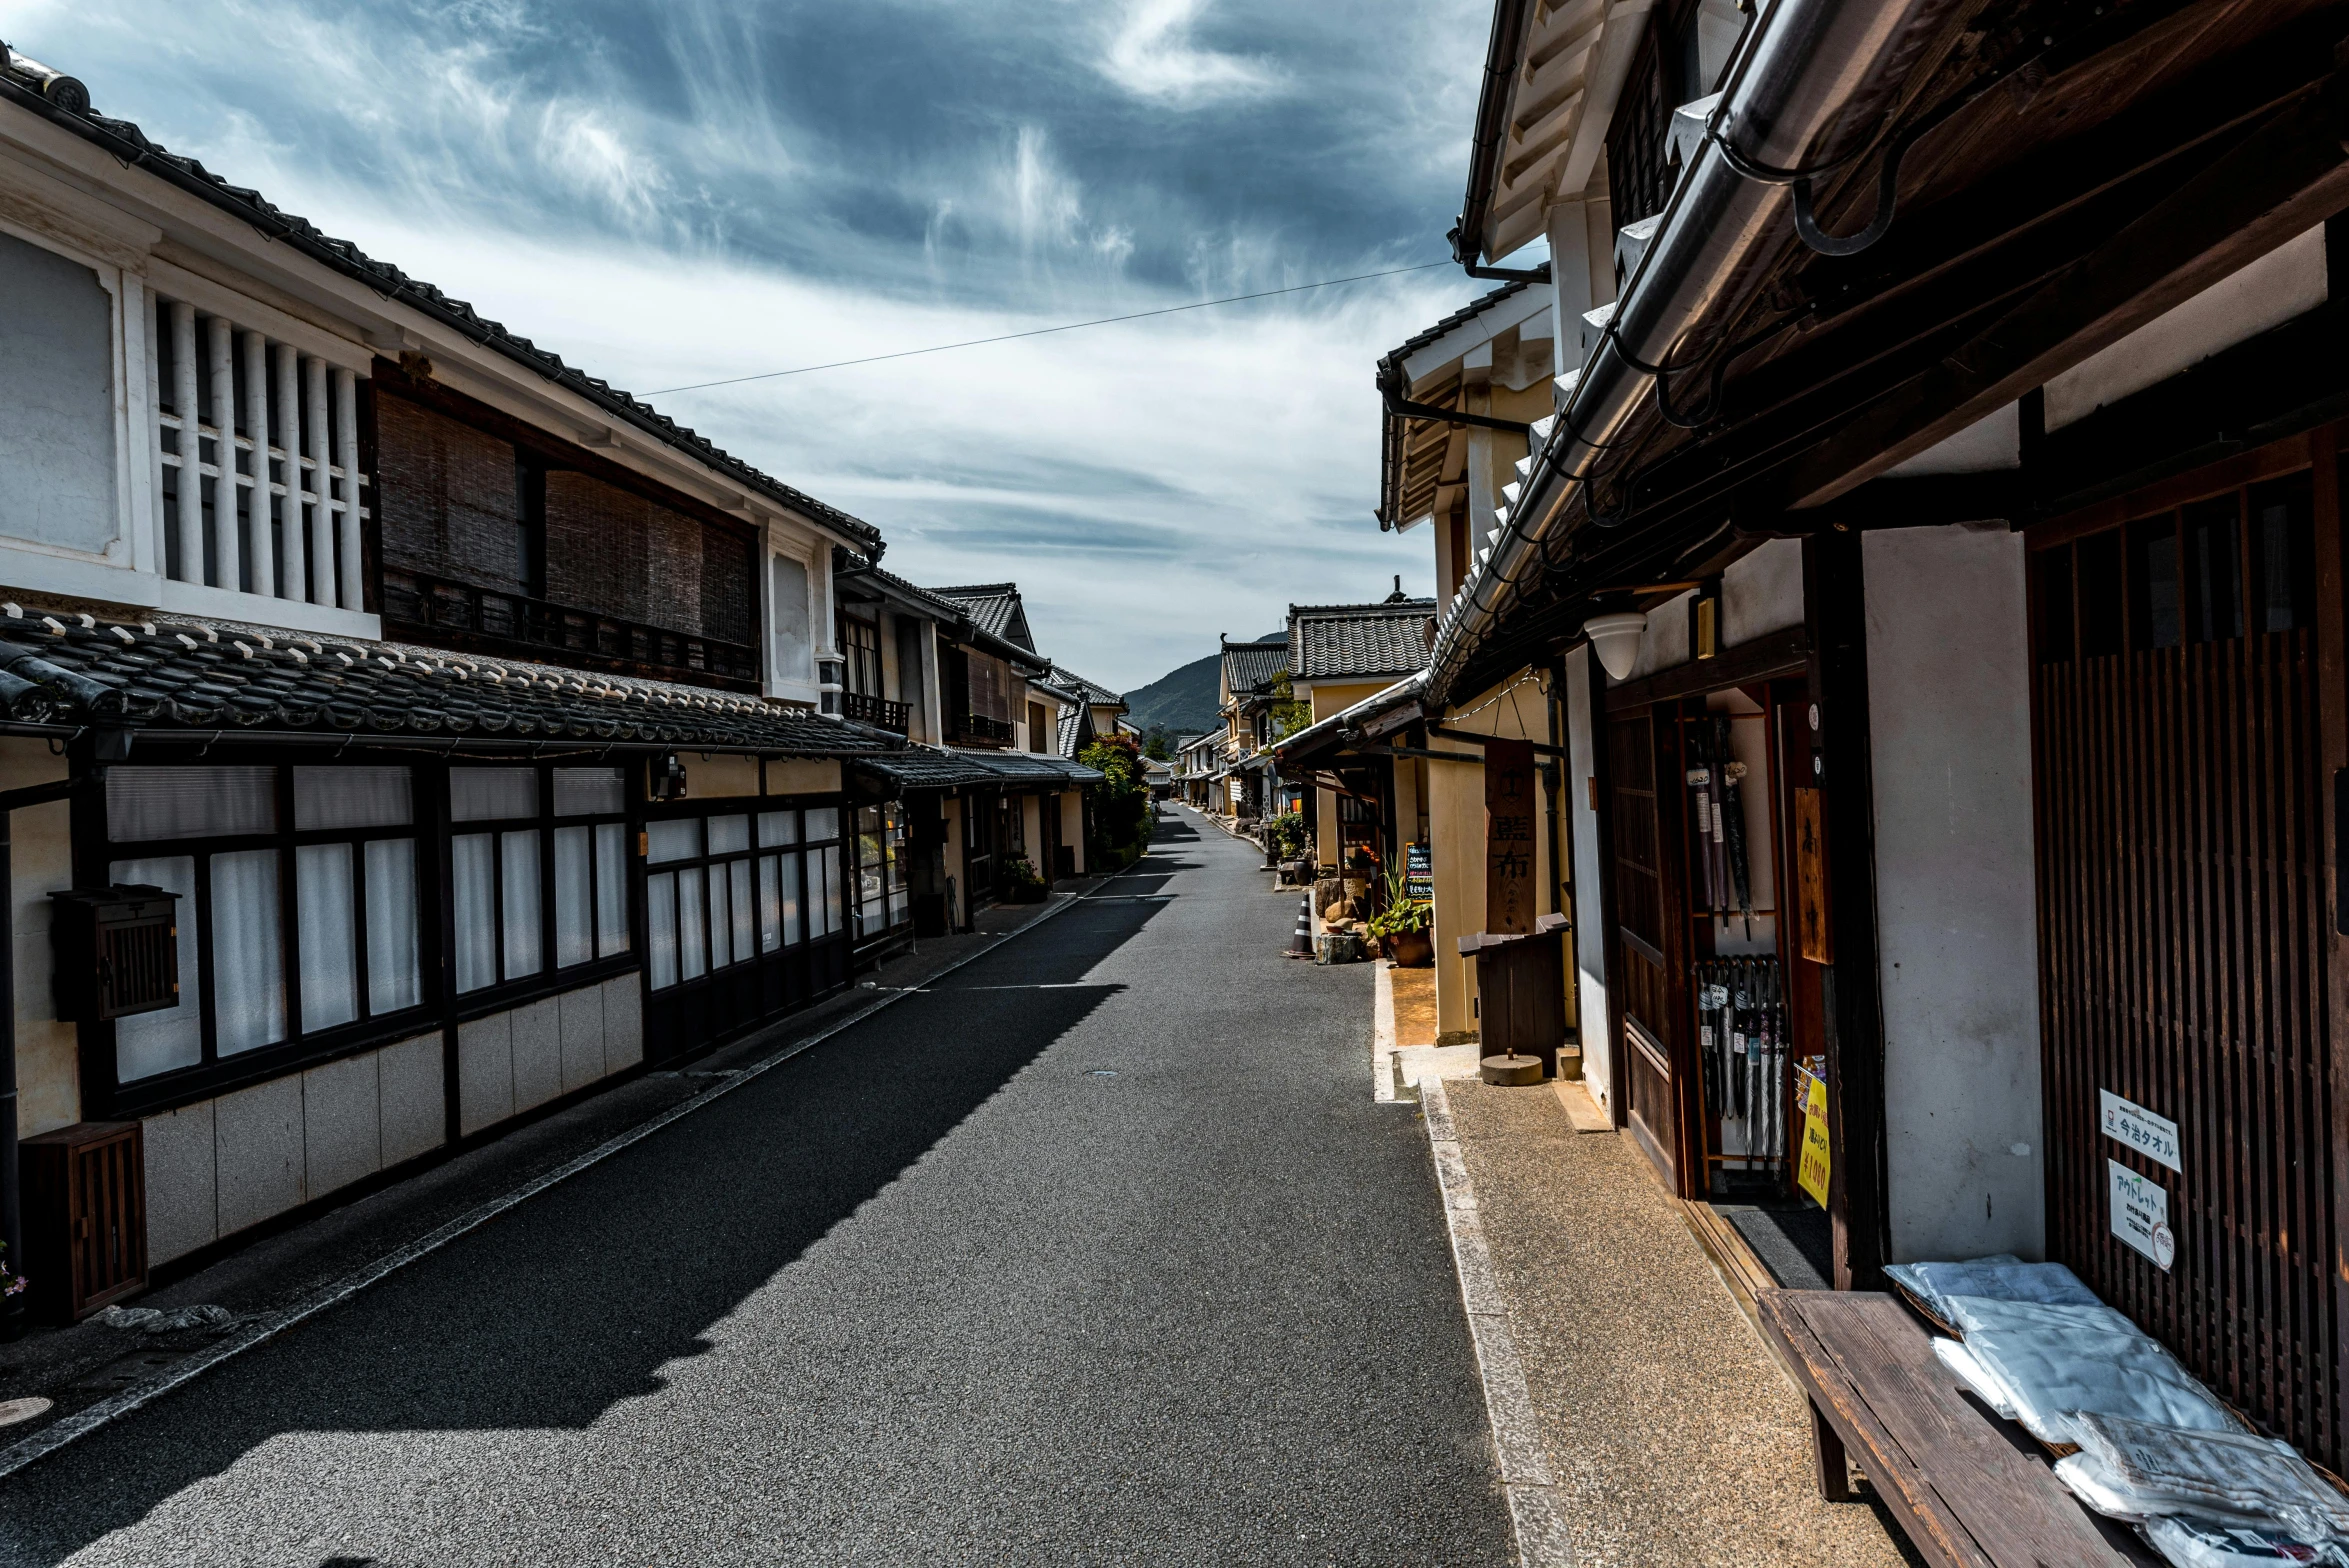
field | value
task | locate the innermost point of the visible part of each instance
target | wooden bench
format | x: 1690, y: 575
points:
x: 1967, y: 1487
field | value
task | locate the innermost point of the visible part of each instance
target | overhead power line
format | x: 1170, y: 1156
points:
x: 1037, y: 332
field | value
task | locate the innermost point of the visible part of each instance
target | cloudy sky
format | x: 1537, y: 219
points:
x: 676, y: 191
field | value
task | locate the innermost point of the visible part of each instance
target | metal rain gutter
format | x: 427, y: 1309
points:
x: 1815, y: 79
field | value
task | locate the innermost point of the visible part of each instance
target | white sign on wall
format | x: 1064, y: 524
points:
x: 2135, y: 1127
x: 2141, y: 1215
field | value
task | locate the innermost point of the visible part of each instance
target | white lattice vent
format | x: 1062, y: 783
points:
x: 269, y: 501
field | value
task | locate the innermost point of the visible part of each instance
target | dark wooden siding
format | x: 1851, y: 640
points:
x: 614, y: 552
x: 2183, y: 965
x: 446, y: 502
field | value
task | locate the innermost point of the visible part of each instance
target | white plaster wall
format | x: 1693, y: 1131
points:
x: 48, y: 1059
x: 1761, y: 592
x: 1990, y: 443
x: 1665, y: 641
x: 2286, y: 282
x: 1949, y: 719
x: 1590, y: 932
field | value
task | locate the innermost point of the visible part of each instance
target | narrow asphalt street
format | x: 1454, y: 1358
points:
x: 1096, y: 1251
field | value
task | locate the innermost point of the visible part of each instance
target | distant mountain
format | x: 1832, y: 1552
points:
x: 1182, y: 703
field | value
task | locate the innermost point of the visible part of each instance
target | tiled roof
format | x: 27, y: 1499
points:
x: 1254, y: 666
x: 218, y: 675
x: 993, y: 607
x: 126, y: 142
x: 1094, y: 692
x: 1072, y: 727
x: 1332, y: 641
x: 1033, y: 766
x: 1466, y: 313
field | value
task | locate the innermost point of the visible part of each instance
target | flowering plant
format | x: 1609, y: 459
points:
x: 11, y: 1282
x: 1024, y: 872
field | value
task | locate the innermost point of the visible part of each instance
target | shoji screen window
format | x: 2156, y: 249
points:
x: 299, y: 916
x: 538, y: 872
x: 728, y: 887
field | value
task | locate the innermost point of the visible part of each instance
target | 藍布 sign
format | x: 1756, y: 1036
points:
x: 2134, y: 1127
x: 2141, y: 1215
x: 1509, y: 842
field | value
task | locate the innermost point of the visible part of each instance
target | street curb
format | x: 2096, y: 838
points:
x: 260, y: 1331
x: 1534, y: 1511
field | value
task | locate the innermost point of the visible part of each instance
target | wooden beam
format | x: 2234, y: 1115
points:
x: 1785, y: 652
x: 2278, y: 182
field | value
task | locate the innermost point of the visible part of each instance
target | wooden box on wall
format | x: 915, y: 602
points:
x: 85, y: 1218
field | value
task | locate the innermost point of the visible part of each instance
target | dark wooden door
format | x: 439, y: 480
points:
x: 1651, y: 938
x: 2185, y: 670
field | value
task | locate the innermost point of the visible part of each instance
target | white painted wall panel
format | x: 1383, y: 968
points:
x: 57, y: 425
x: 342, y: 1127
x: 1761, y: 592
x: 485, y: 1072
x: 538, y: 1053
x: 183, y: 1211
x: 261, y: 1162
x: 1992, y: 442
x: 583, y: 1036
x: 1949, y: 717
x: 623, y: 1022
x: 2286, y: 282
x: 1590, y: 938
x: 414, y: 1110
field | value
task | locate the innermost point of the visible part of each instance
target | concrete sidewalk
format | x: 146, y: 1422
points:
x: 1670, y: 1434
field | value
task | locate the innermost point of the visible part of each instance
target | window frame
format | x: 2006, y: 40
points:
x: 111, y: 1096
x: 549, y: 979
x: 749, y: 807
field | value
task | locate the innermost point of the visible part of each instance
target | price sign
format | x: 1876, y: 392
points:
x: 2141, y: 1215
x: 1811, y: 1173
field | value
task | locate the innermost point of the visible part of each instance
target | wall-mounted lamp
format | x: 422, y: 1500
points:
x: 1615, y: 639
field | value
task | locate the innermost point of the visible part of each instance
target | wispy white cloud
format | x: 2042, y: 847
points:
x: 1152, y: 54
x: 674, y: 193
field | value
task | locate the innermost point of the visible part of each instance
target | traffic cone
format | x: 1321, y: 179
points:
x: 1301, y: 944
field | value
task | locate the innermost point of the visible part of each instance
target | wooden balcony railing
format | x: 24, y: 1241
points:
x: 976, y: 729
x: 865, y: 708
x: 493, y: 620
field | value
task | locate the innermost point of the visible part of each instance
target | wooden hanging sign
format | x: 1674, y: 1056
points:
x: 1509, y: 843
x: 1812, y: 936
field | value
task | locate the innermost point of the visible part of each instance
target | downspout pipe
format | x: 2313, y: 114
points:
x: 1815, y: 79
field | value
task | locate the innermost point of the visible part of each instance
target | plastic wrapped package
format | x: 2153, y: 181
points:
x: 2057, y: 1360
x: 1970, y: 1371
x: 2204, y: 1543
x: 2002, y: 1277
x: 2220, y: 1475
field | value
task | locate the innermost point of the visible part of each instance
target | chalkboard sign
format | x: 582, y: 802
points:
x: 1418, y: 873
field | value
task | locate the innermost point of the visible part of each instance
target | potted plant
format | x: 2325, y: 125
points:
x: 1027, y: 887
x: 1402, y: 927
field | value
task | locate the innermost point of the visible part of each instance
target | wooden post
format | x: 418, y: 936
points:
x: 1834, y: 604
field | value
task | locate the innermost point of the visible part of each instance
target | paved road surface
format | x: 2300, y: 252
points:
x: 1099, y: 1252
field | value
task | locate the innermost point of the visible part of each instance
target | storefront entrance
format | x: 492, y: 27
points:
x: 2187, y: 713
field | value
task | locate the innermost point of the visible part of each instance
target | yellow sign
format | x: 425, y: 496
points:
x: 1811, y: 1174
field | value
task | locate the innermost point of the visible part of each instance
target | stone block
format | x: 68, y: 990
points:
x: 415, y: 1109
x: 342, y: 1125
x: 538, y: 1053
x: 623, y: 1022
x: 583, y: 1036
x: 485, y: 1072
x: 261, y: 1164
x: 183, y: 1193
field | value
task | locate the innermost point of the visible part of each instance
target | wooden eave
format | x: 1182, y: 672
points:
x: 2207, y: 132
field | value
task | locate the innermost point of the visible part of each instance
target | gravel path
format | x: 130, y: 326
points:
x: 1098, y: 1252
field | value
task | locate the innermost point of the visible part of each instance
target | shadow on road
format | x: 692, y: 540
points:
x: 574, y: 1301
